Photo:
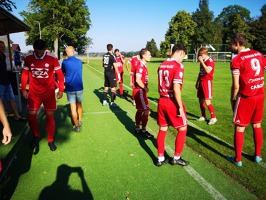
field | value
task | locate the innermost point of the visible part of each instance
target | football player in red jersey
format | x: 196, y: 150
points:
x: 247, y: 95
x: 39, y: 69
x: 120, y: 60
x: 133, y: 61
x: 204, y: 85
x: 171, y: 109
x: 140, y: 93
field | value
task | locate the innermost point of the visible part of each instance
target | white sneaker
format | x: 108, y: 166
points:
x: 105, y: 103
x: 134, y: 103
x: 212, y: 121
x: 201, y: 119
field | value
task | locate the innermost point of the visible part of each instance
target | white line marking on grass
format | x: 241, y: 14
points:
x: 105, y: 112
x: 205, y: 184
x: 196, y: 176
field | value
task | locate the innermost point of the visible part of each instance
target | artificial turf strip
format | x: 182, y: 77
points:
x: 115, y: 163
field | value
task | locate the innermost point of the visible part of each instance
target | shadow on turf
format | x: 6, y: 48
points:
x: 130, y: 126
x: 196, y: 135
x: 60, y: 189
x: 21, y: 154
x: 20, y: 164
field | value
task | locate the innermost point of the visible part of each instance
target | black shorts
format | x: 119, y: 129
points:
x: 110, y: 80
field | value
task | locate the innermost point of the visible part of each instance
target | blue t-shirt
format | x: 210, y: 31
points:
x: 72, y: 68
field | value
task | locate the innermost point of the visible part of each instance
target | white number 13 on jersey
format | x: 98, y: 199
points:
x: 164, y: 77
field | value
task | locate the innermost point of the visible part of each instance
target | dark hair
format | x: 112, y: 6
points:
x: 239, y: 38
x: 116, y: 50
x: 109, y: 47
x: 39, y: 44
x: 178, y: 47
x: 142, y: 52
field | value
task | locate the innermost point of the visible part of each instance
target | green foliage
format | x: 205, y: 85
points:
x: 258, y: 29
x: 226, y: 19
x: 7, y: 4
x: 205, y: 29
x: 152, y: 47
x: 181, y: 29
x: 65, y: 21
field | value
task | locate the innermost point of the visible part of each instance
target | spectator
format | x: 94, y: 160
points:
x: 72, y: 69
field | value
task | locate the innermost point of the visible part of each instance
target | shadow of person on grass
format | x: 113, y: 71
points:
x: 61, y: 122
x: 60, y: 189
x: 129, y: 124
x: 20, y: 157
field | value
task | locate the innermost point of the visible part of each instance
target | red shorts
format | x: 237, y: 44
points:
x: 47, y: 99
x: 167, y: 114
x: 121, y: 77
x: 205, y: 90
x: 248, y: 109
x: 141, y: 99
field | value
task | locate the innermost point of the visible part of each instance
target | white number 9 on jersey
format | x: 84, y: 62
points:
x: 255, y: 64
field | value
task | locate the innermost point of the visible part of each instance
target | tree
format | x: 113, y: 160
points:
x: 205, y: 31
x: 181, y: 28
x: 63, y: 22
x: 7, y: 4
x: 152, y: 47
x: 258, y: 29
x: 226, y: 18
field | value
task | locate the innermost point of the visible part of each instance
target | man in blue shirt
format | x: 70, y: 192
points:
x: 72, y: 69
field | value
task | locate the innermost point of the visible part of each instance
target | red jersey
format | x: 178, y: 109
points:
x: 41, y: 72
x: 134, y: 62
x: 142, y: 71
x: 120, y: 63
x: 203, y: 75
x: 249, y: 65
x: 169, y: 72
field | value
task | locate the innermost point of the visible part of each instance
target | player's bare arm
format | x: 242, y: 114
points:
x: 234, y: 89
x: 7, y: 135
x: 177, y: 94
x: 141, y: 84
x: 206, y: 68
x: 60, y: 77
x: 127, y: 66
x: 24, y: 80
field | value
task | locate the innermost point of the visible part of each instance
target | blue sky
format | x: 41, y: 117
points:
x: 128, y: 25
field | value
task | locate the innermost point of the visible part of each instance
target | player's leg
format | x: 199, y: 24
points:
x: 34, y: 103
x: 9, y: 95
x: 144, y: 105
x: 202, y: 109
x: 105, y: 90
x: 79, y: 99
x: 160, y: 145
x: 113, y: 85
x: 71, y: 97
x: 257, y: 128
x: 132, y: 86
x: 138, y: 117
x: 213, y: 119
x: 121, y: 89
x: 242, y: 116
x: 201, y: 103
x: 49, y: 103
x: 258, y: 140
x: 179, y: 146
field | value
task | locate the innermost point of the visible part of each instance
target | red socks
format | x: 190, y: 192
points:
x: 34, y: 124
x: 239, y: 142
x: 180, y: 142
x: 160, y: 142
x: 258, y: 138
x: 50, y: 127
x: 202, y: 109
x: 211, y: 109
